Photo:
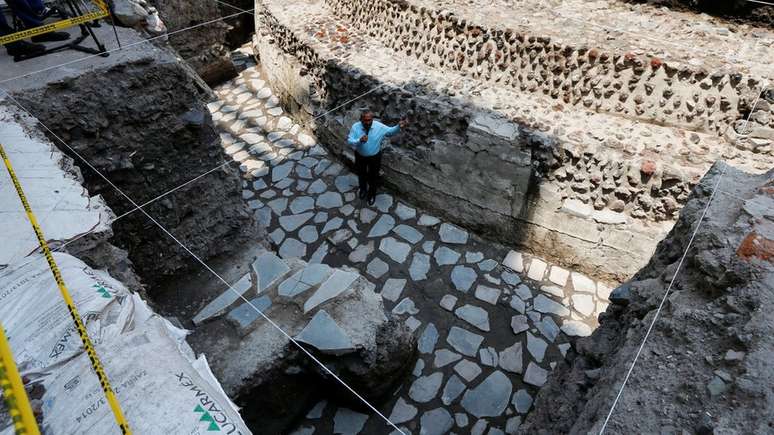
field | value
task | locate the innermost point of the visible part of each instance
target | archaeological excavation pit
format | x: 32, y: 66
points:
x: 574, y: 232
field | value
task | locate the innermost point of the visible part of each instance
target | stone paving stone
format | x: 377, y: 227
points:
x: 522, y: 401
x: 548, y: 306
x: 337, y: 283
x: 445, y: 357
x: 476, y: 316
x: 413, y: 323
x: 487, y: 265
x: 574, y: 328
x: 563, y: 348
x: 383, y: 202
x: 582, y: 283
x: 340, y: 236
x: 362, y: 252
x: 487, y: 294
x: 309, y: 162
x: 269, y: 269
x: 534, y: 316
x: 302, y: 185
x: 406, y: 306
x: 512, y: 425
x: 293, y: 222
x: 304, y: 430
x: 464, y: 341
x: 519, y: 324
x: 523, y: 292
x: 548, y: 328
x: 603, y: 291
x: 420, y: 265
x: 552, y: 290
x: 304, y: 172
x: 292, y: 248
x: 269, y: 194
x: 436, y: 422
x: 535, y: 375
x: 367, y: 215
x: 281, y: 172
x: 392, y: 287
x: 255, y: 204
x: 558, y: 276
x: 333, y: 224
x: 397, y: 251
x: 428, y: 339
x: 224, y: 300
x: 468, y: 370
x: 320, y: 217
x: 353, y: 226
x: 418, y: 367
x: 349, y: 197
x: 402, y: 412
x: 479, y: 428
x: 583, y: 304
x: 473, y: 257
x: 317, y: 187
x: 448, y: 302
x: 490, y: 397
x: 308, y: 234
x: 537, y: 269
x: 461, y: 419
x: 405, y: 212
x: 425, y: 388
x: 428, y: 247
x: 245, y: 314
x: 382, y: 226
x: 445, y: 256
x: 453, y: 234
x: 317, y: 411
x: 495, y: 431
x: 536, y: 346
x: 324, y: 334
x: 518, y: 305
x: 277, y: 236
x: 463, y: 278
x: 348, y: 422
x: 514, y: 261
x: 278, y: 205
x: 452, y: 390
x: 304, y: 279
x: 319, y: 254
x: 259, y: 184
x: 333, y: 170
x: 345, y: 183
x: 247, y: 194
x: 428, y: 221
x: 408, y: 233
x: 329, y: 200
x: 511, y: 358
x: 376, y: 268
x: 488, y: 357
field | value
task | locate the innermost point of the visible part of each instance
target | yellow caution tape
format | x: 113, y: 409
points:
x: 59, y: 25
x: 95, y: 362
x: 13, y: 391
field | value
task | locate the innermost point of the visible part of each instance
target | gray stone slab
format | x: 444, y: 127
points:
x: 488, y: 357
x: 490, y: 397
x: 535, y: 375
x: 269, y: 269
x: 383, y: 202
x: 512, y: 358
x: 522, y: 401
x: 518, y: 305
x: 319, y: 254
x: 277, y: 236
x: 330, y: 200
x: 317, y: 411
x: 348, y: 422
x: 548, y: 328
x: 397, y: 251
x: 479, y: 428
x: 473, y: 257
x: 487, y: 294
x: 304, y: 279
x: 393, y: 287
x: 548, y: 306
x: 445, y: 357
x: 325, y: 335
x: 425, y: 388
x: 335, y: 285
x: 224, y: 300
x: 436, y: 422
x: 463, y: 278
x: 317, y: 187
x: 552, y: 290
x: 245, y: 314
x: 523, y: 292
x: 293, y: 222
x: 362, y: 252
x: 448, y: 302
x: 519, y: 324
x: 575, y: 328
x: 536, y: 346
x: 301, y: 204
x: 281, y: 172
x: 428, y: 221
x: 418, y: 367
x: 463, y: 341
x: 308, y: 234
x: 408, y: 233
x: 453, y: 234
x: 303, y: 172
x: 420, y: 265
x: 461, y: 419
x: 278, y: 205
x: 413, y: 323
x: 428, y: 247
x: 367, y: 215
x: 340, y: 236
x: 406, y: 306
x: 345, y: 183
x: 283, y: 184
x: 377, y: 268
x: 320, y: 217
x: 428, y: 339
x: 474, y: 315
x: 292, y: 248
x: 333, y: 224
x: 487, y: 265
x: 512, y: 425
x: 382, y: 226
x: 445, y: 256
x: 264, y: 217
x: 302, y: 185
x: 452, y: 390
x: 405, y: 212
x: 402, y: 412
x: 268, y: 194
x: 467, y: 369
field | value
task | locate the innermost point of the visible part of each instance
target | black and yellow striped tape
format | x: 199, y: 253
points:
x: 59, y: 25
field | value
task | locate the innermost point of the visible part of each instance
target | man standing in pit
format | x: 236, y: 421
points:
x: 365, y: 137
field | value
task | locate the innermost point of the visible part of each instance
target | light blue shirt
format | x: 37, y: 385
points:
x: 375, y: 137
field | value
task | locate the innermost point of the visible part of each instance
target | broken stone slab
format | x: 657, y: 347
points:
x: 377, y: 268
x: 247, y: 313
x: 463, y: 278
x: 575, y: 328
x: 536, y: 346
x: 514, y: 261
x: 397, y: 251
x: 420, y: 265
x: 335, y: 285
x: 325, y: 335
x: 406, y: 306
x: 468, y: 370
x: 445, y: 357
x: 548, y: 328
x: 292, y: 248
x: 304, y: 279
x: 511, y: 358
x: 333, y: 224
x: 453, y: 234
x: 348, y: 422
x: 293, y: 222
x: 582, y: 283
x: 448, y: 302
x: 405, y: 212
x: 522, y: 401
x: 224, y: 300
x: 392, y: 288
x: 408, y: 233
x: 329, y: 200
x: 490, y: 397
x: 558, y: 275
x: 425, y: 388
x: 464, y: 341
x: 488, y: 357
x: 537, y: 269
x: 402, y: 412
x: 517, y: 304
x: 474, y: 315
x: 535, y: 375
x: 382, y: 226
x: 269, y: 269
x: 301, y: 204
x: 445, y: 256
x: 428, y: 221
x: 548, y: 306
x: 436, y: 422
x: 487, y: 294
x: 519, y: 324
x: 428, y: 339
x: 383, y: 202
x: 583, y: 304
x: 452, y: 390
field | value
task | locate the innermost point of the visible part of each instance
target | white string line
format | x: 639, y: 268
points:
x: 761, y: 2
x: 144, y: 41
x: 236, y: 8
x: 671, y: 282
x: 112, y: 221
x: 220, y: 278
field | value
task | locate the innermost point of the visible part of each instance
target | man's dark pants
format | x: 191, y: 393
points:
x: 368, y: 172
